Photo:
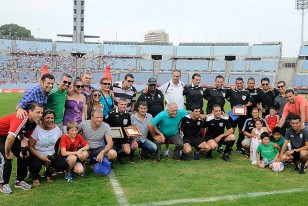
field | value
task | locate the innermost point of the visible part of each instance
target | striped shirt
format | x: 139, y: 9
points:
x: 129, y: 95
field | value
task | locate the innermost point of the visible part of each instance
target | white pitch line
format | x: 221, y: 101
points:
x: 219, y: 198
x: 118, y: 190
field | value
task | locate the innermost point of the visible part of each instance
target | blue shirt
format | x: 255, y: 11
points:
x: 34, y: 94
x: 108, y: 104
x: 167, y: 125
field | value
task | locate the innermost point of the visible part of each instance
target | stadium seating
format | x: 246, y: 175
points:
x: 146, y: 65
x: 208, y: 78
x: 116, y: 49
x: 263, y: 65
x: 193, y: 51
x: 165, y: 65
x: 218, y: 66
x: 192, y: 65
x: 156, y: 49
x: 77, y: 47
x: 266, y: 51
x: 33, y: 46
x: 238, y: 66
x: 124, y: 64
x: 230, y: 50
x: 304, y: 51
x: 300, y: 80
x: 305, y: 66
x: 5, y: 45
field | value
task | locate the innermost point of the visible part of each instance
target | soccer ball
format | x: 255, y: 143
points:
x: 278, y: 166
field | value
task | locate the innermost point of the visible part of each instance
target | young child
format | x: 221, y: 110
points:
x: 70, y: 149
x: 267, y: 151
x: 272, y: 118
x: 277, y: 139
x: 256, y: 140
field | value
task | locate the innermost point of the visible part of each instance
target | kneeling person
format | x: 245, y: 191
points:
x: 192, y: 125
x: 215, y: 126
x: 71, y: 149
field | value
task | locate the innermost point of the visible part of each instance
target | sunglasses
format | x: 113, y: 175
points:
x: 96, y: 95
x: 67, y: 82
x: 130, y: 81
x: 79, y: 86
x: 106, y: 83
x: 264, y: 84
x: 280, y: 87
x: 152, y: 85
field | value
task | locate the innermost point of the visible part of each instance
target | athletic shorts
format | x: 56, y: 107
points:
x: 296, y: 156
x: 238, y: 122
x: 193, y: 142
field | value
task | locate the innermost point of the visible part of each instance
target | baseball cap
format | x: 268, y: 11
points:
x: 152, y: 81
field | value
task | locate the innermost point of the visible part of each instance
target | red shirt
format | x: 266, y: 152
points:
x: 10, y: 124
x: 272, y: 121
x: 295, y: 108
x: 70, y: 146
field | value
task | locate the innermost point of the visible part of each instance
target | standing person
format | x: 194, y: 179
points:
x: 237, y: 97
x: 173, y: 90
x: 86, y: 79
x: 266, y: 97
x: 298, y: 138
x: 281, y: 100
x: 106, y: 96
x: 166, y: 125
x: 296, y: 105
x: 141, y: 120
x: 192, y: 126
x: 37, y: 94
x: 125, y: 89
x: 94, y: 102
x: 42, y: 148
x: 194, y: 93
x: 215, y: 95
x: 98, y: 135
x: 253, y: 90
x: 75, y: 106
x: 74, y: 148
x: 215, y: 126
x: 57, y: 98
x: 153, y: 97
x: 14, y: 136
x: 120, y: 117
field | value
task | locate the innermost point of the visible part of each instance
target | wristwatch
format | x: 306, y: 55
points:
x: 103, y: 151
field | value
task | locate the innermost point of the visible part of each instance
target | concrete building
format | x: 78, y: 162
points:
x: 157, y: 36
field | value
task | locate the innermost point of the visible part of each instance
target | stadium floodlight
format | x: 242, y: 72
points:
x: 302, y: 6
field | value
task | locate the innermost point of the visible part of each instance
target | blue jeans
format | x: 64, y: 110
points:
x: 148, y: 147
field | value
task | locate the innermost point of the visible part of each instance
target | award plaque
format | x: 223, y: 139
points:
x: 116, y: 132
x: 132, y: 131
x: 239, y: 110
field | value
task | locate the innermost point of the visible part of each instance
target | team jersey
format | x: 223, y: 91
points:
x: 191, y: 128
x: 216, y: 127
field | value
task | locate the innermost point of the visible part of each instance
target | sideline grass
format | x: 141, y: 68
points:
x: 147, y: 182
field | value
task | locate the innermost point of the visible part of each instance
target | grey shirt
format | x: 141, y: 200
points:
x: 96, y: 137
x: 279, y: 102
x: 297, y: 139
x: 142, y: 125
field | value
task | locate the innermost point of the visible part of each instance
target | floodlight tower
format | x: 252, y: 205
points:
x: 302, y: 6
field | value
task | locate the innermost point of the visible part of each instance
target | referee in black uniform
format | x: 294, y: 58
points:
x: 194, y: 93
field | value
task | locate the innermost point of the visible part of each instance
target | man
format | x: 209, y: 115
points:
x: 280, y: 101
x: 125, y: 89
x: 98, y: 135
x: 239, y: 96
x: 194, y: 93
x: 215, y: 95
x: 247, y: 129
x: 153, y: 97
x: 141, y: 120
x: 120, y: 117
x: 57, y: 98
x: 86, y: 80
x: 173, y: 90
x: 266, y: 97
x: 251, y: 88
x: 192, y: 125
x: 14, y: 137
x: 37, y: 94
x: 295, y: 105
x: 166, y: 125
x: 215, y: 126
x: 298, y: 138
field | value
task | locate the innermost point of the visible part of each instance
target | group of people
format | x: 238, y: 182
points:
x: 61, y: 125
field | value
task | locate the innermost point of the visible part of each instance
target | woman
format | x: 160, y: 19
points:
x: 107, y: 96
x: 42, y: 148
x: 74, y: 149
x: 75, y: 106
x: 94, y: 102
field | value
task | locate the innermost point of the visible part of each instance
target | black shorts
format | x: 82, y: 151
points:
x: 119, y: 141
x: 296, y: 156
x: 238, y: 122
x: 221, y: 141
x: 193, y: 142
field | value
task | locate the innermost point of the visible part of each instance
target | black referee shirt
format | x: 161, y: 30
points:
x: 117, y: 119
x: 214, y: 96
x: 267, y: 98
x: 237, y: 97
x: 155, y: 103
x: 216, y: 127
x: 191, y: 128
x: 194, y: 96
x: 250, y: 124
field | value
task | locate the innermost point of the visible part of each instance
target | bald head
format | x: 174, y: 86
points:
x: 172, y: 109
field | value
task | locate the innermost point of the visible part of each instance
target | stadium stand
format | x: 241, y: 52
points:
x: 193, y: 51
x: 192, y: 65
x: 218, y: 66
x: 165, y: 65
x: 33, y: 46
x: 304, y: 67
x: 300, y: 80
x: 303, y: 51
x: 208, y: 79
x: 116, y: 49
x: 230, y: 50
x: 146, y: 65
x: 77, y: 47
x: 156, y: 50
x: 238, y: 66
x: 261, y: 50
x: 5, y: 45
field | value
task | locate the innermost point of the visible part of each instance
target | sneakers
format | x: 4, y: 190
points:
x: 68, y: 177
x: 183, y: 157
x: 83, y: 173
x: 166, y: 153
x: 6, y: 189
x: 226, y: 158
x: 196, y: 156
x: 22, y: 185
x: 254, y: 162
x: 301, y: 171
x: 141, y: 156
x: 220, y: 150
x: 242, y: 151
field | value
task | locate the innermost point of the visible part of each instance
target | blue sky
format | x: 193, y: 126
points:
x: 185, y: 21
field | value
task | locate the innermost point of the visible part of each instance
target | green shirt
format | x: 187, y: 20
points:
x: 56, y: 102
x: 267, y: 151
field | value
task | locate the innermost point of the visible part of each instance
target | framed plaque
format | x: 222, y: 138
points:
x: 132, y: 131
x: 239, y: 110
x: 116, y: 132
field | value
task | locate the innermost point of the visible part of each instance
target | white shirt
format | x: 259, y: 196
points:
x: 174, y: 93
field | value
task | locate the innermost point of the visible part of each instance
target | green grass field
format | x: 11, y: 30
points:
x: 146, y: 183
